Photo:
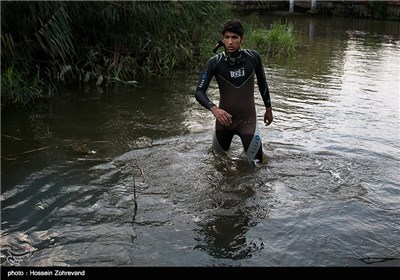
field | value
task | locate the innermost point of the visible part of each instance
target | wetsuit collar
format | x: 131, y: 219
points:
x: 235, y: 58
x: 234, y: 54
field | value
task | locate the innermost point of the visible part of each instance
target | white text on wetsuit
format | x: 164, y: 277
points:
x: 238, y: 73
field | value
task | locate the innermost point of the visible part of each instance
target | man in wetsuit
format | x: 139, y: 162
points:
x: 234, y: 70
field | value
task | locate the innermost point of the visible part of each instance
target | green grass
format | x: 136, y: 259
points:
x: 278, y: 42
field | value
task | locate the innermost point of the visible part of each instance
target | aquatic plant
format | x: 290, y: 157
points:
x: 277, y: 42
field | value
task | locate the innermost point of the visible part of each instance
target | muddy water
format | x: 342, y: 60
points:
x: 126, y: 177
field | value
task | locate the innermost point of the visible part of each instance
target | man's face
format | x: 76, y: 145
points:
x: 232, y: 41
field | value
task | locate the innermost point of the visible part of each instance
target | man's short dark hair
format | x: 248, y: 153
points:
x: 234, y: 26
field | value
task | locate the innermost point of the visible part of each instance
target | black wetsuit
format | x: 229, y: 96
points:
x: 235, y: 77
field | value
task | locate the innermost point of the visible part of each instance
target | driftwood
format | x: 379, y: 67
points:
x: 12, y: 137
x: 27, y: 152
x: 10, y: 157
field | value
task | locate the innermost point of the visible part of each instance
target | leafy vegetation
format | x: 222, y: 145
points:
x: 105, y: 42
x: 279, y: 41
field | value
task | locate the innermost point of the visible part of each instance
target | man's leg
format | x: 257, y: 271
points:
x: 252, y: 143
x: 222, y: 140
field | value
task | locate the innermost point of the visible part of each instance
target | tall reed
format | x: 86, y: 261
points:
x: 112, y: 42
x: 107, y: 42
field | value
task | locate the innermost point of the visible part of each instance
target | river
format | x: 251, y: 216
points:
x: 125, y: 176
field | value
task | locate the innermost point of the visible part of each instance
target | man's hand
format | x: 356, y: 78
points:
x: 222, y: 116
x: 268, y: 118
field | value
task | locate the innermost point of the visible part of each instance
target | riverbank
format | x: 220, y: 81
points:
x: 108, y: 43
x: 388, y: 10
x: 44, y: 49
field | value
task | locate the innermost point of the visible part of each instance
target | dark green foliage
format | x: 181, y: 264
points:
x: 36, y: 38
x: 45, y: 43
x: 48, y: 42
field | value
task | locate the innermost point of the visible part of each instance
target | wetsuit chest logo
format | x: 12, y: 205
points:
x: 237, y: 73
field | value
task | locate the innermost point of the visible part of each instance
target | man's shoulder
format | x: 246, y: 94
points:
x: 215, y: 59
x: 252, y: 53
x: 217, y: 56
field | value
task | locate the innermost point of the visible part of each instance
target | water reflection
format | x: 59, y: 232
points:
x: 223, y: 231
x: 224, y: 236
